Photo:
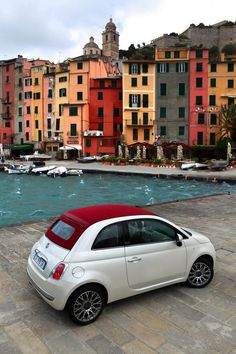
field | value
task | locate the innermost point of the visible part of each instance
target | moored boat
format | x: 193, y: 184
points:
x: 60, y: 171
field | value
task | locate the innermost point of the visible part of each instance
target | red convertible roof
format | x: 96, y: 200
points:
x: 82, y: 218
x: 92, y: 214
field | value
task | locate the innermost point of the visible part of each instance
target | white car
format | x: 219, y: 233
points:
x: 99, y: 254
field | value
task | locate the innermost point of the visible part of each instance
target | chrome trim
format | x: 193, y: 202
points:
x: 39, y: 290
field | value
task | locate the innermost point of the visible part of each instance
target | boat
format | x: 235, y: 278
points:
x: 59, y: 171
x: 218, y: 165
x: 201, y: 166
x: 87, y: 159
x: 36, y: 156
x: 42, y: 170
x: 74, y: 172
x: 16, y: 169
x: 187, y: 165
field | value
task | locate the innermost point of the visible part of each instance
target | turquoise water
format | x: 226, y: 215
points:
x: 26, y: 197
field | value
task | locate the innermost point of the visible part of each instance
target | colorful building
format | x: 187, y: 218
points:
x: 139, y: 80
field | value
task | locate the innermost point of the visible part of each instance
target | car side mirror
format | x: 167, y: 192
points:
x: 179, y: 239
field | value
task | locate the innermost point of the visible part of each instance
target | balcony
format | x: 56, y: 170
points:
x: 140, y: 123
x: 6, y: 100
x: 6, y: 116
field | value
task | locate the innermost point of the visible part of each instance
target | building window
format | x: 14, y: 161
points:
x: 163, y: 130
x: 213, y: 67
x: 120, y: 96
x: 36, y: 124
x: 162, y: 112
x: 212, y: 100
x: 80, y: 66
x: 27, y: 123
x: 20, y: 96
x: 176, y: 54
x: 163, y: 67
x: 36, y: 110
x: 201, y: 118
x: 57, y: 124
x: 181, y: 112
x: 213, y: 82
x: 49, y: 108
x: 116, y: 112
x: 163, y: 89
x: 145, y: 68
x: 73, y: 111
x: 146, y: 134
x: 27, y: 136
x: 36, y: 81
x: 27, y: 109
x: 145, y: 101
x: 100, y: 126
x: 100, y: 96
x: 198, y: 82
x: 28, y: 95
x: 100, y: 112
x: 181, y: 67
x: 88, y: 142
x: 101, y: 83
x: 37, y: 96
x: 199, y: 53
x: 212, y: 138
x: 181, y: 89
x: 117, y: 127
x: 167, y: 54
x: 134, y: 118
x: 199, y: 67
x: 50, y: 93
x: 20, y: 127
x: 230, y: 83
x: 73, y: 130
x: 28, y: 82
x: 213, y: 119
x: 62, y: 92
x: 7, y: 79
x: 49, y: 124
x: 145, y: 118
x: 144, y: 80
x: 134, y: 69
x: 20, y: 111
x: 113, y: 83
x: 199, y: 138
x: 198, y: 100
x: 79, y: 96
x: 230, y: 67
x: 63, y: 79
x: 181, y: 131
x: 135, y: 134
x: 79, y: 79
x: 134, y: 101
x: 133, y: 81
x: 230, y: 101
x: 60, y: 109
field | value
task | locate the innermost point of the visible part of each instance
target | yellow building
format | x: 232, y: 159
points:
x: 222, y: 91
x: 139, y: 101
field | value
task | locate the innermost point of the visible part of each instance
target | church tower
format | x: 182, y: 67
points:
x: 110, y: 41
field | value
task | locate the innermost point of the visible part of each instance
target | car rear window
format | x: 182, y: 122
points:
x: 63, y: 230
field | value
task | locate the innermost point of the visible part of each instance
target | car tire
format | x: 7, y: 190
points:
x: 201, y: 273
x: 86, y: 304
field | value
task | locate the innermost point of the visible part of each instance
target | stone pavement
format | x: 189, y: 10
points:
x: 172, y: 320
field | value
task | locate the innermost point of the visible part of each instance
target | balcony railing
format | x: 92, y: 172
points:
x: 6, y: 116
x: 140, y: 122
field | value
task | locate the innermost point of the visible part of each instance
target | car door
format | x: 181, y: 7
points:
x: 152, y: 255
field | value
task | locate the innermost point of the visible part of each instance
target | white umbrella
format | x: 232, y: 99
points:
x: 138, y: 153
x: 229, y: 154
x: 144, y: 152
x: 179, y: 152
x: 126, y: 152
x: 120, y: 151
x: 160, y: 154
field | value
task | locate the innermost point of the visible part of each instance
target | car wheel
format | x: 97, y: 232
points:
x: 200, y: 274
x: 86, y: 304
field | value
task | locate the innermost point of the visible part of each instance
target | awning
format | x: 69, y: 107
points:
x: 22, y: 147
x: 71, y: 147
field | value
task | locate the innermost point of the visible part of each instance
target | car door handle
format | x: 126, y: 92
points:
x: 134, y: 260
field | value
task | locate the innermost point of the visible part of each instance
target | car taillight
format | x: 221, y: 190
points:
x: 57, y: 273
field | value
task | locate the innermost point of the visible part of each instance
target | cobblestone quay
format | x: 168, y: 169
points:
x: 172, y: 320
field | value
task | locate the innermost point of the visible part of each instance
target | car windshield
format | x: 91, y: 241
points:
x: 63, y: 230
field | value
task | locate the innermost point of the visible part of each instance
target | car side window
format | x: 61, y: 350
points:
x: 148, y: 231
x: 108, y: 237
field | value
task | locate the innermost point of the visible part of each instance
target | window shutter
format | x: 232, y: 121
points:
x: 138, y: 68
x: 158, y: 67
x: 139, y: 101
x: 130, y: 65
x: 177, y: 67
x: 130, y: 100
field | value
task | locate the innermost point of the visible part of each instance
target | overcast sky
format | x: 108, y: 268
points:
x: 58, y: 29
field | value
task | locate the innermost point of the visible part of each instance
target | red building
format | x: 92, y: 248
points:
x: 8, y: 82
x: 105, y: 116
x: 198, y: 95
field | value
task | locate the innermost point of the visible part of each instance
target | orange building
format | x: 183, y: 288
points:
x: 139, y: 101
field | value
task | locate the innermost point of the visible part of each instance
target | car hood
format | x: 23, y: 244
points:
x: 197, y: 235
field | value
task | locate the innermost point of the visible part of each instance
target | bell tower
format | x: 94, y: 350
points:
x: 110, y: 41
